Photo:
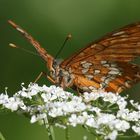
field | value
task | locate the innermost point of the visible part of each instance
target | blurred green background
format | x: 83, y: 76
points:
x: 49, y: 21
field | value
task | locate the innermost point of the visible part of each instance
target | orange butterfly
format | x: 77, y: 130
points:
x: 103, y: 64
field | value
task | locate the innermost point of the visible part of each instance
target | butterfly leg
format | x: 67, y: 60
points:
x: 38, y: 77
x: 78, y: 91
x: 41, y: 74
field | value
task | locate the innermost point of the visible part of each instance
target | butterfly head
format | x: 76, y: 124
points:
x: 54, y: 69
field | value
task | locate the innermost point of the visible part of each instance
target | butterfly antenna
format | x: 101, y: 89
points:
x: 65, y: 41
x: 42, y: 52
x: 23, y: 49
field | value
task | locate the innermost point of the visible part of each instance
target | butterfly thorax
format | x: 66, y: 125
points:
x: 61, y: 76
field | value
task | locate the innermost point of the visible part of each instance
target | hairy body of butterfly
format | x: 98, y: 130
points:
x: 103, y: 64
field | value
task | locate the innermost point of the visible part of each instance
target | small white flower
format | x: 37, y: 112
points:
x: 55, y: 112
x: 38, y: 117
x: 23, y: 106
x: 81, y: 119
x: 121, y: 125
x: 110, y: 97
x: 90, y: 96
x: 13, y: 103
x: 23, y: 93
x: 46, y: 97
x: 105, y: 119
x: 112, y: 135
x: 73, y: 120
x: 136, y: 105
x: 3, y: 98
x: 33, y: 119
x: 136, y: 129
x: 79, y: 107
x: 68, y: 107
x: 134, y: 116
x: 91, y: 122
x: 129, y: 116
x: 123, y: 113
x: 121, y: 103
x: 95, y: 109
x: 29, y: 94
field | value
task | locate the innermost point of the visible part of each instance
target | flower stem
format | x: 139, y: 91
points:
x: 50, y: 132
x: 98, y: 138
x: 67, y: 134
x: 1, y: 136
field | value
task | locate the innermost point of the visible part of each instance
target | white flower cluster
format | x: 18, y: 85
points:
x: 105, y: 114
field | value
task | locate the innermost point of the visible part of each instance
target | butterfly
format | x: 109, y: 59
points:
x: 103, y: 65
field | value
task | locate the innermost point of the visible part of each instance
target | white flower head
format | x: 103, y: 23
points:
x: 105, y: 112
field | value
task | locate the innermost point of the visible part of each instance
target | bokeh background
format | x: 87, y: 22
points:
x: 49, y: 21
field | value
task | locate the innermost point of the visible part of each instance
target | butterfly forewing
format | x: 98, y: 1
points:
x: 123, y: 43
x: 105, y: 61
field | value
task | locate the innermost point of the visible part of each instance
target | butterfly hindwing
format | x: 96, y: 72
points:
x: 109, y: 76
x: 130, y: 76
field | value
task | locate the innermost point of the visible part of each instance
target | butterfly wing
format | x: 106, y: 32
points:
x: 108, y: 58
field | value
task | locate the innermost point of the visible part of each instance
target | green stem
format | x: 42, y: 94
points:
x: 1, y: 136
x: 67, y: 134
x: 91, y: 132
x: 50, y: 132
x: 123, y: 136
x: 98, y: 138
